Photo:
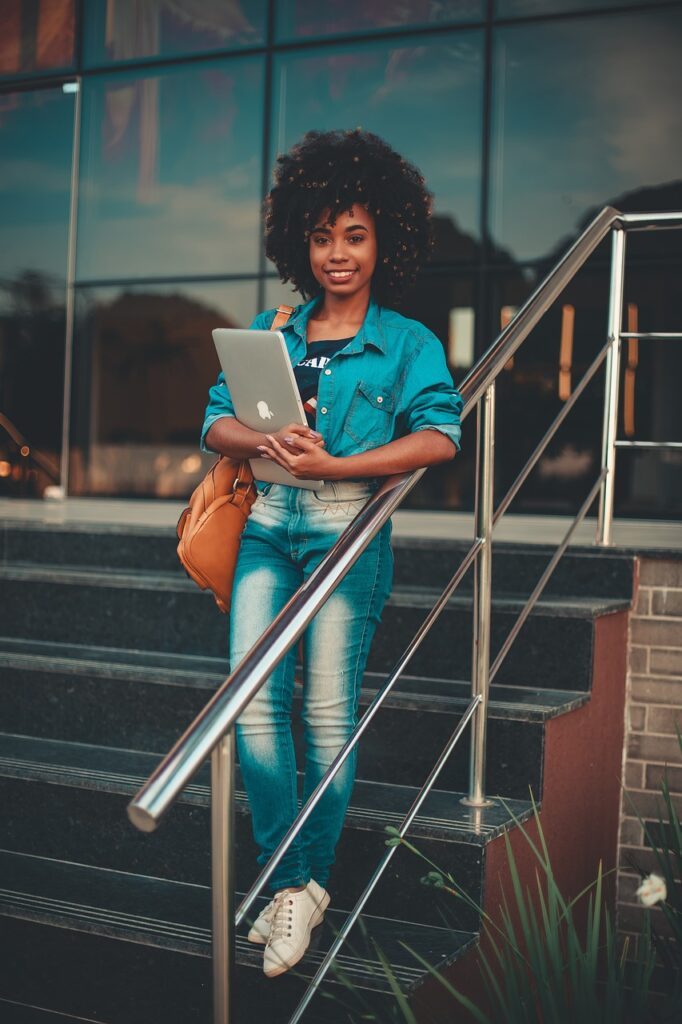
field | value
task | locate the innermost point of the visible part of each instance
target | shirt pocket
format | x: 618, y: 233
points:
x: 370, y: 417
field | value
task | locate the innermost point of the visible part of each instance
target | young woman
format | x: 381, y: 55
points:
x: 347, y: 222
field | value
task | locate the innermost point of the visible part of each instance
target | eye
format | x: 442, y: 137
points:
x: 356, y: 238
x: 319, y: 239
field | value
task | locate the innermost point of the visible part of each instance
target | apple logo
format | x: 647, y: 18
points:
x: 264, y: 411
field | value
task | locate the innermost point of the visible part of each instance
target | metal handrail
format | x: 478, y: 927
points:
x: 212, y: 730
x: 23, y: 443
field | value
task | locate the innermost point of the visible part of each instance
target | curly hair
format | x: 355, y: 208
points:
x: 332, y: 171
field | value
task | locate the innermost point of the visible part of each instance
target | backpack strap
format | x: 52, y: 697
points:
x: 281, y: 316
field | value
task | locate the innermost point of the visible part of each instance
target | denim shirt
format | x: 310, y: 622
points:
x: 389, y: 381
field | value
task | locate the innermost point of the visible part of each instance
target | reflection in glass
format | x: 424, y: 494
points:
x: 135, y: 29
x: 143, y: 363
x: 529, y: 395
x: 171, y: 172
x: 521, y: 8
x: 425, y: 100
x: 36, y: 130
x: 302, y: 19
x: 606, y: 121
x: 36, y: 37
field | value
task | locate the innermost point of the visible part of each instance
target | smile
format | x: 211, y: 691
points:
x: 339, y: 275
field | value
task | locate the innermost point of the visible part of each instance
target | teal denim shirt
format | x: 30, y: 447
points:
x: 390, y: 380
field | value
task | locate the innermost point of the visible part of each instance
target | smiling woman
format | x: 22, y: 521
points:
x: 347, y: 222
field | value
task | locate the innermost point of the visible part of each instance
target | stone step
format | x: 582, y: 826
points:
x: 516, y: 567
x: 163, y: 612
x: 130, y: 949
x: 68, y: 801
x: 58, y: 691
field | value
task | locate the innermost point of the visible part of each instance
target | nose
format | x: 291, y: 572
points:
x: 338, y: 253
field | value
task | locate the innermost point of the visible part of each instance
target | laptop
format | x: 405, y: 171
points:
x: 263, y: 389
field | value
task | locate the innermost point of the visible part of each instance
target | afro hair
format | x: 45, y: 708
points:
x: 332, y: 171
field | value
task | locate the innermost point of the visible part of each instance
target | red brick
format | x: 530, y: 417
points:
x: 667, y: 602
x: 644, y: 747
x: 655, y: 690
x: 657, y: 632
x: 631, y: 832
x: 667, y: 662
x: 665, y: 720
x: 634, y: 775
x: 654, y: 774
x: 655, y: 572
x: 637, y: 718
x: 639, y: 659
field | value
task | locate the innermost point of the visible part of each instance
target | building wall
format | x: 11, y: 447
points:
x: 525, y: 116
x: 653, y: 708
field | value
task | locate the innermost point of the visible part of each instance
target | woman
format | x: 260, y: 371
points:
x: 347, y: 222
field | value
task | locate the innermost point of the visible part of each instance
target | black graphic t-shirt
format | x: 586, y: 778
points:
x: 308, y: 371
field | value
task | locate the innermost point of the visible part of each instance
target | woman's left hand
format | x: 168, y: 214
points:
x: 312, y: 463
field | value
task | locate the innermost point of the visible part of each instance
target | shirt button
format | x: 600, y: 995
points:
x: 379, y: 399
x: 328, y: 373
x: 323, y: 410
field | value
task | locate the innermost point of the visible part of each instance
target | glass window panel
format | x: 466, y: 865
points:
x: 36, y: 131
x: 531, y: 392
x: 425, y: 100
x: 585, y: 112
x: 35, y: 36
x: 171, y: 172
x: 302, y: 19
x: 524, y: 8
x: 138, y: 29
x: 144, y: 360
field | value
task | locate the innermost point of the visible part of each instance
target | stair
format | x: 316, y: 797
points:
x: 107, y: 652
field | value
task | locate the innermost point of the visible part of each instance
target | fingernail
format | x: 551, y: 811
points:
x: 288, y: 439
x: 261, y: 447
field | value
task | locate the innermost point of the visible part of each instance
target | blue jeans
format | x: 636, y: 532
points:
x: 287, y: 534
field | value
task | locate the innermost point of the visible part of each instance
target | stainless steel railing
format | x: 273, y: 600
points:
x: 212, y: 731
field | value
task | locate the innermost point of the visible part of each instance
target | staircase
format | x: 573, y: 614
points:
x: 108, y: 652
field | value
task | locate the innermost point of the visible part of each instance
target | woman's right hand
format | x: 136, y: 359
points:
x: 287, y: 437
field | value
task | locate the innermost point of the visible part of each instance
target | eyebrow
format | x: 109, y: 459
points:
x: 328, y: 231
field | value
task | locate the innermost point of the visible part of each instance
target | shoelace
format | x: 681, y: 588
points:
x: 282, y: 917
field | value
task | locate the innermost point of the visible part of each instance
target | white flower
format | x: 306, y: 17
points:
x: 652, y: 890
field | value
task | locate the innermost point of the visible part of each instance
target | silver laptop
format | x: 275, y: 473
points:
x: 263, y: 389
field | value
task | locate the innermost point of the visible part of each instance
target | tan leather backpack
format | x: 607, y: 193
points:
x: 210, y: 528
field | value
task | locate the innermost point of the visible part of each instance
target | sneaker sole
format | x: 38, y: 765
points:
x: 316, y: 919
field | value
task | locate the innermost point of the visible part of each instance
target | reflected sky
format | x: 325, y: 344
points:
x: 171, y: 171
x: 169, y: 28
x: 302, y: 19
x: 425, y: 100
x: 582, y: 113
x: 36, y: 132
x: 521, y: 8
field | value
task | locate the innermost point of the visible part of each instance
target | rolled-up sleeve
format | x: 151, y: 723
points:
x: 431, y: 400
x: 219, y: 399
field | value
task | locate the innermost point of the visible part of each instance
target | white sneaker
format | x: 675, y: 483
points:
x: 294, y: 917
x: 260, y: 929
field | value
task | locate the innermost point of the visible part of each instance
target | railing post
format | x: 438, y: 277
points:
x: 222, y: 861
x: 480, y: 672
x: 610, y: 424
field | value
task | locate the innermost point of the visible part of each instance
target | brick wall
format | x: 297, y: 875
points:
x: 653, y: 706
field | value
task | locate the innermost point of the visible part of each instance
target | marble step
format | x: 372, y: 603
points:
x: 133, y: 949
x: 58, y: 691
x: 516, y: 567
x: 13, y: 1012
x: 68, y: 801
x: 167, y: 613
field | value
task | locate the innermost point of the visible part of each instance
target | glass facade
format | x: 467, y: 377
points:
x: 526, y: 117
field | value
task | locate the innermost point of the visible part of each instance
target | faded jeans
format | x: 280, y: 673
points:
x: 286, y: 536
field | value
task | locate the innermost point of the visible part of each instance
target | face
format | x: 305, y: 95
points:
x: 343, y: 255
